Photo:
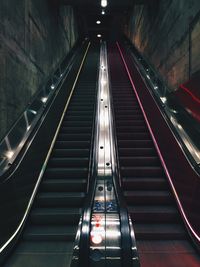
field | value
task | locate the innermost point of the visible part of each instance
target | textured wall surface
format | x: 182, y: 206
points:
x: 35, y: 36
x: 167, y: 32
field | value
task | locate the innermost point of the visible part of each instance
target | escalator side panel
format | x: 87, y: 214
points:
x: 159, y: 231
x: 182, y: 176
x: 49, y: 235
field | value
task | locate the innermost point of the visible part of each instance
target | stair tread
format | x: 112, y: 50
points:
x: 51, y: 229
x: 152, y: 209
x: 158, y: 228
x: 60, y: 194
x: 147, y: 193
x: 56, y: 211
x: 64, y: 181
x: 144, y: 179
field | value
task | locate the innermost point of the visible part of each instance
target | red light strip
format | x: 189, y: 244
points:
x: 190, y: 93
x: 156, y: 145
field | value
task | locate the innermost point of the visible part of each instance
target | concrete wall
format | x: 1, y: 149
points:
x: 34, y: 36
x: 167, y: 32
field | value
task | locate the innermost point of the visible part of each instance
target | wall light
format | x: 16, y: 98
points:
x: 104, y: 3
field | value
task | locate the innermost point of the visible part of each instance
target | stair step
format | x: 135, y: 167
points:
x: 131, y: 152
x: 81, y: 107
x: 74, y: 137
x: 72, y: 144
x: 130, y: 122
x: 148, y: 197
x: 131, y: 129
x: 68, y: 162
x: 78, y: 130
x: 80, y: 123
x: 60, y: 185
x: 153, y: 213
x: 60, y: 199
x: 139, y: 161
x: 159, y: 231
x: 55, y: 216
x: 133, y: 136
x: 146, y: 171
x: 63, y: 173
x: 50, y: 233
x: 76, y: 152
x: 77, y: 113
x: 135, y: 143
x: 144, y: 183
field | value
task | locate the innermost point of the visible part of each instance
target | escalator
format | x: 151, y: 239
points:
x: 50, y: 231
x: 160, y: 234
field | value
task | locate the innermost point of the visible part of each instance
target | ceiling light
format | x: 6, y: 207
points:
x: 99, y: 35
x: 98, y: 22
x: 103, y: 12
x: 104, y: 3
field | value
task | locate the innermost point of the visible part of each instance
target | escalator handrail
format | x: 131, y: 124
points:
x: 23, y: 128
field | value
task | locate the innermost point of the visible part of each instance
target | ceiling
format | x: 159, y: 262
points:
x: 89, y: 11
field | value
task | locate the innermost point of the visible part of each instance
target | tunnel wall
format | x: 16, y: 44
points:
x: 167, y: 32
x: 35, y: 36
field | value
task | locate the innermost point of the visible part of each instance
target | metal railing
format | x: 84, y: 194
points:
x: 13, y: 142
x: 178, y: 118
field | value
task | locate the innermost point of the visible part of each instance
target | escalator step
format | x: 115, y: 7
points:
x: 148, y: 197
x: 159, y: 231
x: 144, y: 183
x: 132, y: 136
x: 80, y: 108
x: 135, y: 143
x: 60, y: 185
x: 81, y: 123
x: 84, y: 152
x: 77, y: 113
x: 62, y: 173
x: 143, y: 152
x: 139, y: 161
x: 50, y: 233
x: 60, y: 199
x: 74, y: 137
x: 72, y: 144
x: 142, y: 171
x: 43, y: 253
x: 79, y: 130
x: 153, y: 213
x: 131, y: 128
x: 78, y: 117
x: 55, y: 216
x: 68, y: 162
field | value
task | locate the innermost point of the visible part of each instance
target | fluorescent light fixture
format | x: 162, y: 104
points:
x: 44, y: 99
x: 9, y: 154
x: 98, y: 22
x: 99, y: 35
x: 104, y: 3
